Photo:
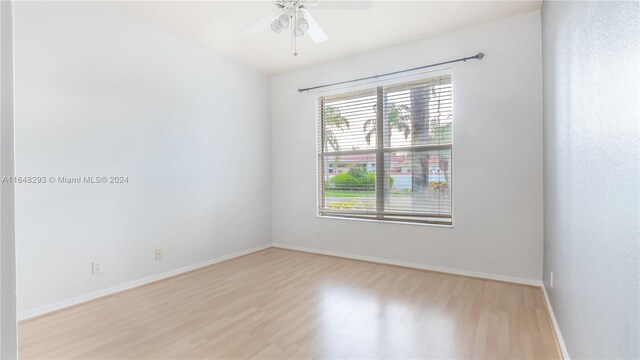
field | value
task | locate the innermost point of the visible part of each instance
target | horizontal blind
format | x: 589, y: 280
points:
x: 385, y: 153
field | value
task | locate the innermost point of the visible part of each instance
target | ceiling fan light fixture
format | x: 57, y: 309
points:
x: 276, y: 27
x: 293, y: 16
x: 283, y: 21
x: 303, y: 24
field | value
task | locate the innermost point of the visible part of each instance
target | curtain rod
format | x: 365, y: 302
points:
x: 479, y: 56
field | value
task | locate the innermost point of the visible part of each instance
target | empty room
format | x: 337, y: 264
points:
x: 319, y: 179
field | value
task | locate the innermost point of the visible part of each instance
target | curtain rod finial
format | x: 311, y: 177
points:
x: 480, y: 56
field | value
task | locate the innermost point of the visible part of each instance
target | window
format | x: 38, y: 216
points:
x: 392, y: 146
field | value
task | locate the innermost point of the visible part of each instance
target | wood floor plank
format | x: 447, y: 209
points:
x: 279, y: 304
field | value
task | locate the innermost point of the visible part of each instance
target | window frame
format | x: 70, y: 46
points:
x: 379, y: 151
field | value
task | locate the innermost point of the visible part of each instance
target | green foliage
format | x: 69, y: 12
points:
x: 358, y: 170
x: 349, y: 181
x: 356, y: 179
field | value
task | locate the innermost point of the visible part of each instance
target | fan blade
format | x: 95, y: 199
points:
x: 262, y: 24
x: 343, y: 5
x: 315, y: 32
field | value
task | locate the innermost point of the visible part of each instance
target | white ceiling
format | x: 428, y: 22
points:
x: 217, y: 25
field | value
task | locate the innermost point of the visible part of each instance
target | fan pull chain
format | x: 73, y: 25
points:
x: 295, y: 38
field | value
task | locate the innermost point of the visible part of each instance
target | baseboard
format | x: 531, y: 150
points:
x: 554, y: 323
x: 509, y: 279
x: 25, y: 315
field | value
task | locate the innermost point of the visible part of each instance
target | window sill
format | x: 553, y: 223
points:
x: 383, y: 221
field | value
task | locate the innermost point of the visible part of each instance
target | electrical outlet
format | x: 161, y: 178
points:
x: 96, y: 268
x: 159, y: 254
x: 551, y: 279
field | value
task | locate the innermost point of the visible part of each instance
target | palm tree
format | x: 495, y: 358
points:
x: 441, y: 133
x: 398, y: 118
x: 333, y: 119
x: 419, y: 99
x: 425, y: 128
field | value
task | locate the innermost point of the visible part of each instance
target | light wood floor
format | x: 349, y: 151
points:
x: 285, y: 304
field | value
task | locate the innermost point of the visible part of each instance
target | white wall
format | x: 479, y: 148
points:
x: 100, y: 94
x: 497, y: 156
x: 8, y: 338
x: 592, y: 174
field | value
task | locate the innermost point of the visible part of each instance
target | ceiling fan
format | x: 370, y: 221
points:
x: 295, y: 15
